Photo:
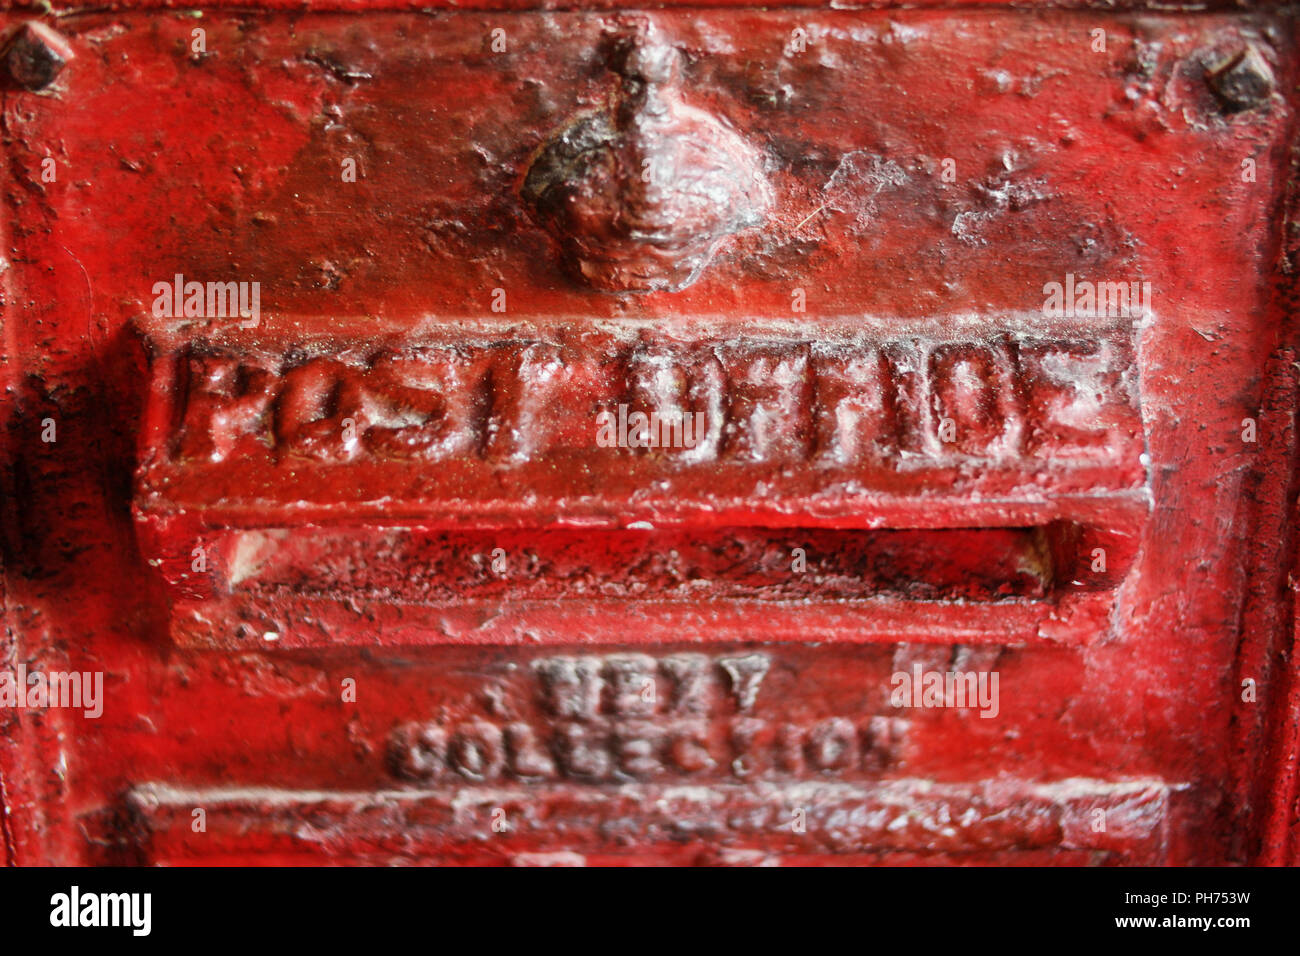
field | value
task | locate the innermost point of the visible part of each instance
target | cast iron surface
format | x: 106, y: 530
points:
x: 852, y: 244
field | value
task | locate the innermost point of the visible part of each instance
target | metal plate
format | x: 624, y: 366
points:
x: 276, y: 534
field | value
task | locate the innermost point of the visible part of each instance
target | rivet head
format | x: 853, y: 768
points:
x: 36, y: 55
x: 1243, y: 81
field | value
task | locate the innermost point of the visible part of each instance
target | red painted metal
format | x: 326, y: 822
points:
x: 367, y: 582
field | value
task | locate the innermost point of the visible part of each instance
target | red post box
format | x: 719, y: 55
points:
x: 722, y: 435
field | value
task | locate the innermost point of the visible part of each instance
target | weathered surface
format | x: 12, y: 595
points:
x: 342, y: 672
x: 35, y: 55
x: 641, y: 195
x: 677, y: 825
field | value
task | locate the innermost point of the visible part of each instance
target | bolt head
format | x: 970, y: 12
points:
x: 36, y: 55
x: 1243, y: 81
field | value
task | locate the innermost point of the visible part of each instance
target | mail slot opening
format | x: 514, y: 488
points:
x: 443, y: 567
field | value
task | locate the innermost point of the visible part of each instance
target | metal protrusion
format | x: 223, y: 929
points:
x: 1243, y: 81
x: 36, y: 55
